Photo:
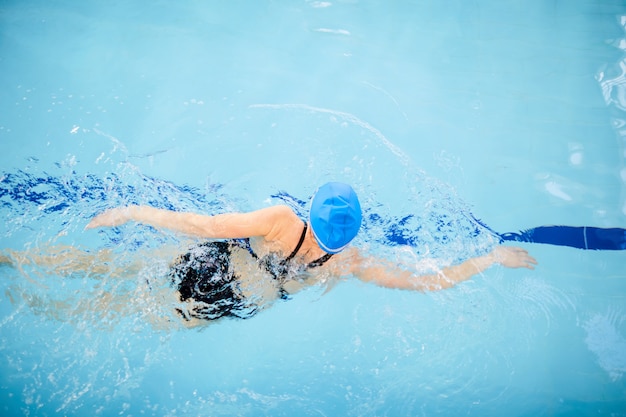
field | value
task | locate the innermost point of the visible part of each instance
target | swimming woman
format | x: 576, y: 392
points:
x: 244, y: 260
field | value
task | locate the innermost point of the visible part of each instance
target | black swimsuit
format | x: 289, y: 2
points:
x: 205, y: 275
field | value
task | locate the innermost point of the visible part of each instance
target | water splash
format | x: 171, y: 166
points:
x: 606, y: 341
x: 439, y: 223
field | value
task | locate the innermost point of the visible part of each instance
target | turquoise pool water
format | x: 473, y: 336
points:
x: 510, y: 110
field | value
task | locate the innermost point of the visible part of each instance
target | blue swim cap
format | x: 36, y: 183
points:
x: 335, y: 216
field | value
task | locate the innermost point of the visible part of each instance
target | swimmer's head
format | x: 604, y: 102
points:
x: 335, y: 216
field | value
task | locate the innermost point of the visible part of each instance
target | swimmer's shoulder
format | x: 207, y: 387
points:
x: 280, y: 211
x: 345, y: 262
x: 280, y: 216
x: 274, y: 213
x: 282, y: 225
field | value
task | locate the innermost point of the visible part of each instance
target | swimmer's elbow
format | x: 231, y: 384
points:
x: 202, y: 226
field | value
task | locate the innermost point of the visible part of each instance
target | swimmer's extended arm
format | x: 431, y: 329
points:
x: 388, y: 275
x: 264, y: 222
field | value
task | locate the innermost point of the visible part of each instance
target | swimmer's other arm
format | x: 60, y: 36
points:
x: 386, y: 274
x: 265, y: 222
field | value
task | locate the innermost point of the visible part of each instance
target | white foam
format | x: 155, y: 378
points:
x: 555, y: 189
x: 333, y: 31
x: 321, y: 4
x: 605, y: 341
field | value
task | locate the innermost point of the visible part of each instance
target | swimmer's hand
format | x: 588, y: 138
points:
x: 513, y: 257
x: 111, y: 218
